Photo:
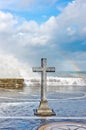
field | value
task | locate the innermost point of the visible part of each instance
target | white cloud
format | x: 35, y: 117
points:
x: 7, y: 20
x: 30, y: 33
x: 72, y: 20
x: 50, y: 26
x: 30, y: 38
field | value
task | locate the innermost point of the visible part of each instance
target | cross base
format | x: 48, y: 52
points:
x: 44, y: 110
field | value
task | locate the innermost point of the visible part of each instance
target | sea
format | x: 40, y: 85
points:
x: 66, y: 95
x: 70, y: 74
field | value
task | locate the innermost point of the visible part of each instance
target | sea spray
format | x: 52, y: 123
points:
x: 12, y: 67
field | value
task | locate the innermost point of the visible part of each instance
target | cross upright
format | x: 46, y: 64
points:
x: 43, y: 108
x: 43, y: 69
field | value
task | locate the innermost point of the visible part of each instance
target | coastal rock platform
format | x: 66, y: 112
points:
x: 12, y: 83
x: 63, y: 126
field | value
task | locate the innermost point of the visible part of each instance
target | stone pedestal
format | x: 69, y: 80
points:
x: 44, y: 110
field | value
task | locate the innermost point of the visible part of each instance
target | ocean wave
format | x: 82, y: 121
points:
x: 55, y: 81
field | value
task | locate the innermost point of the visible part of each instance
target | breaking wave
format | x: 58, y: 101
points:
x: 12, y: 67
x: 56, y: 81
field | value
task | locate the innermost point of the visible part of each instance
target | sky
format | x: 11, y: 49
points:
x: 52, y: 29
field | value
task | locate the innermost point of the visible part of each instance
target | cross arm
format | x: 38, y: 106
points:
x: 50, y: 69
x: 37, y: 69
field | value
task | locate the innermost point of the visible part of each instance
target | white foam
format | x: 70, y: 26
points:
x: 12, y: 67
x: 66, y: 81
x: 58, y: 81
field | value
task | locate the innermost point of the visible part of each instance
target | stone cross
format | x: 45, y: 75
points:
x: 43, y: 69
x: 43, y: 108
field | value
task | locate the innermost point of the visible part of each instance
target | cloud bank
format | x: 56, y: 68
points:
x: 64, y: 34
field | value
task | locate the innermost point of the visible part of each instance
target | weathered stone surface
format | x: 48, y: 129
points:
x: 44, y: 109
x: 11, y: 83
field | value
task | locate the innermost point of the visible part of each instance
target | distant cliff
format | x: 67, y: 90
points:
x: 12, y: 83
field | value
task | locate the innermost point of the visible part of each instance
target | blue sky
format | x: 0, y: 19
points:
x: 55, y: 29
x: 37, y: 10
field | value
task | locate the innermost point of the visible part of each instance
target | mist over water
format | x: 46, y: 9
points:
x: 11, y: 67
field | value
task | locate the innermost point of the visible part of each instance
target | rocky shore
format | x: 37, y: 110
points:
x: 12, y: 83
